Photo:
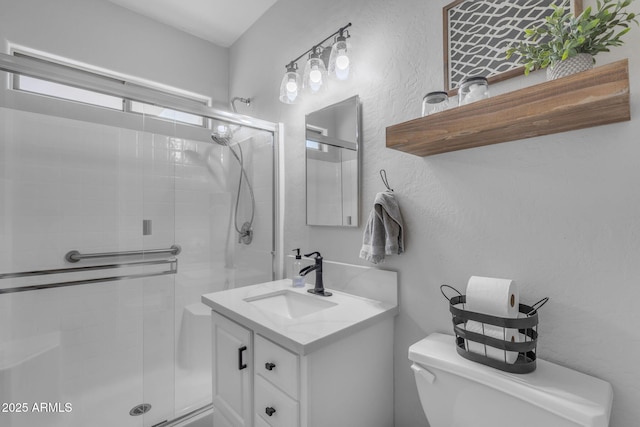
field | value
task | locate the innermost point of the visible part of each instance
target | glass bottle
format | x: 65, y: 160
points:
x: 434, y: 102
x: 473, y: 89
x: 296, y: 278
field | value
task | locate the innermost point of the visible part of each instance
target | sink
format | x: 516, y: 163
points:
x: 289, y: 304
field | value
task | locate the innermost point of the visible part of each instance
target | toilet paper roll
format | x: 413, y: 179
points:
x: 495, y: 297
x: 505, y: 334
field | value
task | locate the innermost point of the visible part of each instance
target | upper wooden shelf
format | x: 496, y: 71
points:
x: 590, y: 98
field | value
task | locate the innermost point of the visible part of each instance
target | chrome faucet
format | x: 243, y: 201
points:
x: 317, y: 267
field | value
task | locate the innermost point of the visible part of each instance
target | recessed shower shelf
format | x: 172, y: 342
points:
x: 591, y: 98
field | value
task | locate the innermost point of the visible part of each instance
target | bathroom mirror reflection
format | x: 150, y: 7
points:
x: 332, y: 164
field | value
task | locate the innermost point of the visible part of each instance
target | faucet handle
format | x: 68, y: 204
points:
x: 317, y: 254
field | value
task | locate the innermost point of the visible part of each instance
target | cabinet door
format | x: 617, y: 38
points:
x: 232, y: 371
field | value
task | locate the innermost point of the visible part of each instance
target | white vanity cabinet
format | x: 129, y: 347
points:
x: 348, y: 382
x: 232, y: 373
x: 283, y: 357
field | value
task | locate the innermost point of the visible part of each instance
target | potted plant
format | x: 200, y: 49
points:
x: 567, y: 44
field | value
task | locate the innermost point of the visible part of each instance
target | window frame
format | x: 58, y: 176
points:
x: 126, y: 105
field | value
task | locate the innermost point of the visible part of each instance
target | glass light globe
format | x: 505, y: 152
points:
x: 315, y: 74
x: 290, y: 86
x: 339, y: 62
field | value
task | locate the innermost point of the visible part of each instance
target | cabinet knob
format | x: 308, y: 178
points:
x: 269, y: 410
x: 269, y: 366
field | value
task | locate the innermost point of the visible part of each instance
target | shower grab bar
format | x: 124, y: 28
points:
x: 173, y: 269
x: 75, y: 256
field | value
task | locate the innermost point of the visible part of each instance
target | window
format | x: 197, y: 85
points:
x: 57, y: 90
x: 71, y: 93
x: 166, y: 113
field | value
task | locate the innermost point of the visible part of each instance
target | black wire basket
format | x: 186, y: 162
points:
x: 525, y: 347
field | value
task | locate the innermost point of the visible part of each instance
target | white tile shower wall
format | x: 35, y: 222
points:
x: 74, y: 185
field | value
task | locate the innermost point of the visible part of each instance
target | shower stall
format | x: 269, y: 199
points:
x: 112, y: 225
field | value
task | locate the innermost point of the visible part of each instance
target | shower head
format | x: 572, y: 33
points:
x: 229, y: 135
x: 222, y: 140
x: 222, y: 135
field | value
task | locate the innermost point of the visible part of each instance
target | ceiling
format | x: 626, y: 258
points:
x: 219, y: 21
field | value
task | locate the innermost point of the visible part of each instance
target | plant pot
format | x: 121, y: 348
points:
x: 575, y: 64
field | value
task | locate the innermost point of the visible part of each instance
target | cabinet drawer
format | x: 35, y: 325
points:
x: 276, y: 364
x: 270, y: 400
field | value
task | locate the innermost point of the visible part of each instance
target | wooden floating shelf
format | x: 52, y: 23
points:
x: 591, y: 98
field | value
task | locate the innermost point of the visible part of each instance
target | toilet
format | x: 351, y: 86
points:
x: 456, y: 392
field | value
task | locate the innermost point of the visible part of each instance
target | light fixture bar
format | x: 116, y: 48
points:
x: 321, y: 64
x: 317, y: 45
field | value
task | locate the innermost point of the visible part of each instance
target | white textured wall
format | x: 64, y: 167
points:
x: 99, y: 33
x: 560, y: 214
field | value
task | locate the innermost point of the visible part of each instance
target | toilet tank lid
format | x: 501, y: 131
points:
x: 572, y: 395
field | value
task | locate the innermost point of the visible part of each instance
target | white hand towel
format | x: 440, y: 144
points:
x: 383, y: 234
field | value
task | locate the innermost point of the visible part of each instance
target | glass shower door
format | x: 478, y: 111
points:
x: 71, y: 354
x: 213, y: 257
x: 120, y: 348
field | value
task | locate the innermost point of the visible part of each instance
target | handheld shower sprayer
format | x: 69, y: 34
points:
x: 223, y: 135
x: 245, y: 233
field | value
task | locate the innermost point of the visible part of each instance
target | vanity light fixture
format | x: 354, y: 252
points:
x: 339, y: 60
x: 291, y: 84
x: 323, y: 62
x: 315, y: 72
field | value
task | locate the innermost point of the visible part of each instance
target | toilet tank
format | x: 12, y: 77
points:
x: 456, y: 392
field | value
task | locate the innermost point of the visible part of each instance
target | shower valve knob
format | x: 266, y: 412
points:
x: 269, y: 366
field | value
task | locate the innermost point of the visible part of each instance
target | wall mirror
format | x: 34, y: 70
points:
x: 332, y: 164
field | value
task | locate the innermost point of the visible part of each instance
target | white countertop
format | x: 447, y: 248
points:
x: 304, y: 334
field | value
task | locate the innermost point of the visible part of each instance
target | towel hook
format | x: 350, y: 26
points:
x: 383, y: 175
